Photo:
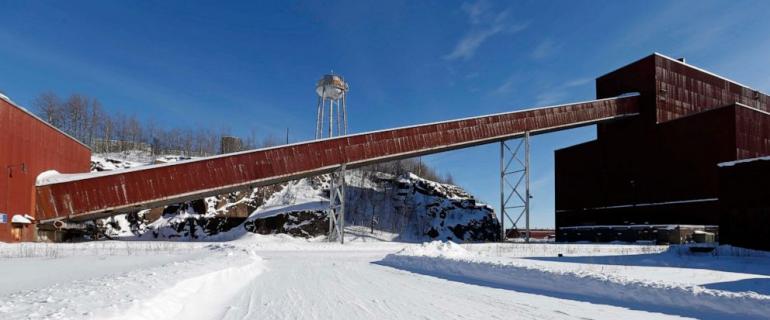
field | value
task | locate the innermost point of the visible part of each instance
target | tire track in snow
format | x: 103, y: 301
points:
x: 206, y: 296
x: 347, y: 285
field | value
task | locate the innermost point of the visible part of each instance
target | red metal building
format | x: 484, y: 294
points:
x: 29, y: 146
x: 661, y: 167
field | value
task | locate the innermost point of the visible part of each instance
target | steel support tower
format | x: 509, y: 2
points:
x: 514, y: 184
x: 336, y: 211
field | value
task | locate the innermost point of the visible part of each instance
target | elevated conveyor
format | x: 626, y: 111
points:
x: 90, y: 196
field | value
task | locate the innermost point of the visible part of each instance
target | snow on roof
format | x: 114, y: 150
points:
x: 703, y: 70
x: 24, y: 219
x: 685, y: 64
x: 732, y: 163
x: 46, y: 177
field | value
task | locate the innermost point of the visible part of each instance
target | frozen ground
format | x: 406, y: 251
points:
x: 278, y: 277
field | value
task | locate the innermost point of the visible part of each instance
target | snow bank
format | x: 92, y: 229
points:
x: 436, y: 249
x: 452, y: 261
x: 98, y: 280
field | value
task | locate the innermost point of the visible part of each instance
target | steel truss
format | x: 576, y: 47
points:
x: 336, y: 211
x: 514, y: 184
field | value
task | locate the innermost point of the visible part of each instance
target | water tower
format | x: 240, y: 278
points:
x: 331, y: 90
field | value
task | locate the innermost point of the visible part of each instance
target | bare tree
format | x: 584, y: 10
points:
x: 94, y: 121
x: 75, y: 115
x: 49, y: 107
x: 270, y: 141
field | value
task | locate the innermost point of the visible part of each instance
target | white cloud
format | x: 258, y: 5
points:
x: 485, y: 23
x: 466, y: 47
x: 506, y: 86
x: 577, y: 82
x: 475, y: 10
x: 544, y: 49
x: 549, y: 98
x: 558, y: 94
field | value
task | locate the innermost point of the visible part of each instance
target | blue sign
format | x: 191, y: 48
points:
x: 3, y: 218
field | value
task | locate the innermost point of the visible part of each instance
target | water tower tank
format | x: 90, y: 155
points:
x: 331, y: 86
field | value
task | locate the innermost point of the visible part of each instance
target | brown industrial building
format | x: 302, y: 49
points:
x: 28, y: 147
x: 660, y: 168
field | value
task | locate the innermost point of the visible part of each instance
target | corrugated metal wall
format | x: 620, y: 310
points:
x: 29, y: 146
x: 684, y: 90
x: 157, y: 185
x: 753, y: 133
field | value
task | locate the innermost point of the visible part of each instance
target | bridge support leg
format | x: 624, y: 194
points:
x: 336, y: 211
x: 514, y: 184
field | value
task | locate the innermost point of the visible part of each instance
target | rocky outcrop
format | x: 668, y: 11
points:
x: 304, y: 224
x: 447, y: 212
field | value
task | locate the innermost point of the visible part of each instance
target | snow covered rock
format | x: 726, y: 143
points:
x: 415, y: 208
x: 296, y: 223
x: 109, y: 163
x: 446, y: 212
x: 298, y: 209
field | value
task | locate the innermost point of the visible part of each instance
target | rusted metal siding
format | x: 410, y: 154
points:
x: 684, y: 90
x: 753, y: 133
x: 672, y: 89
x: 29, y: 146
x: 106, y: 194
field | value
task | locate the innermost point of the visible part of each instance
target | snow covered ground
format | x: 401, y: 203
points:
x: 280, y: 277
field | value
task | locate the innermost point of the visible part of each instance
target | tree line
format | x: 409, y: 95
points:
x: 85, y: 119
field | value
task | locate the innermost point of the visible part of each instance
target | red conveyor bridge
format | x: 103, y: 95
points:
x: 91, y: 196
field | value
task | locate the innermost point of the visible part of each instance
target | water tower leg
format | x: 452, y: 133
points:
x: 344, y: 114
x: 318, y: 120
x: 339, y: 119
x: 331, y: 118
x: 321, y: 123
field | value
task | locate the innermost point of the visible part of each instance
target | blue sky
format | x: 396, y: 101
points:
x: 252, y: 66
